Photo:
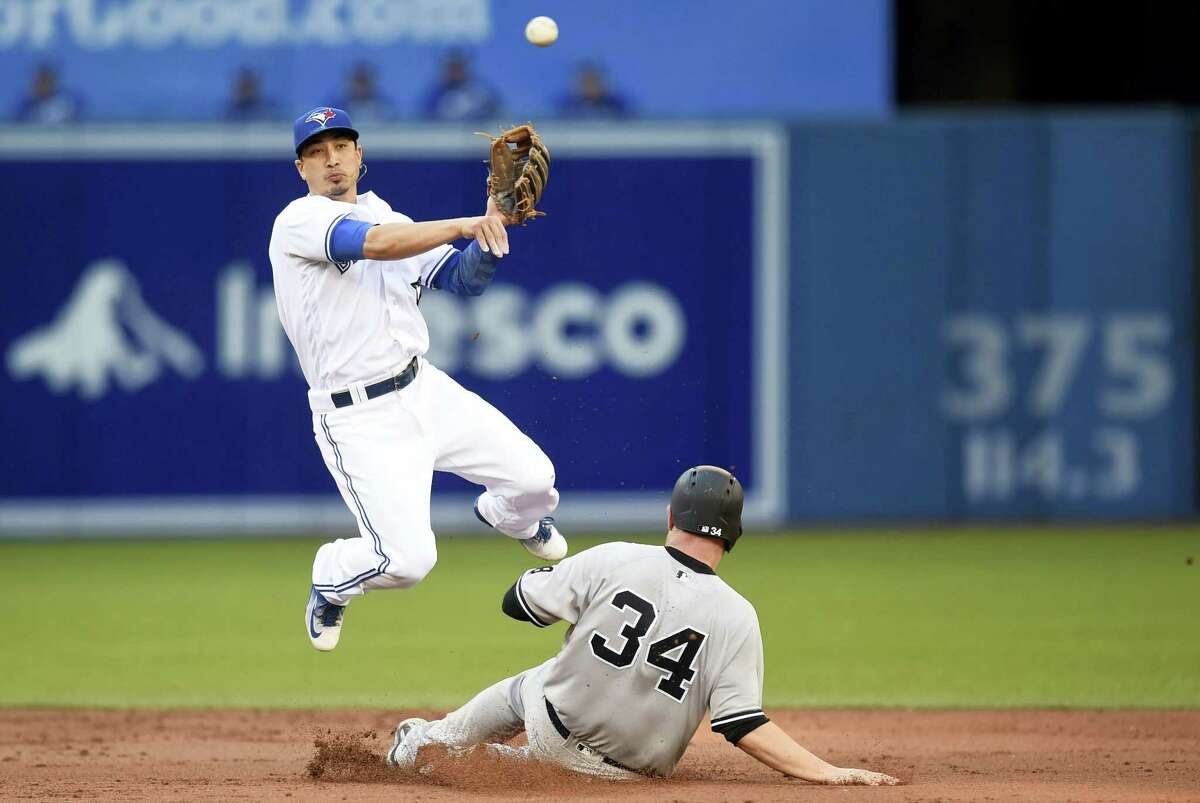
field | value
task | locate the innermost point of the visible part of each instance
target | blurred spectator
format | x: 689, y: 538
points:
x: 363, y: 99
x: 246, y: 102
x: 47, y: 103
x: 591, y: 97
x: 458, y: 95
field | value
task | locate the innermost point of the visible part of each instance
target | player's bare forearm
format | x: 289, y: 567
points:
x: 769, y: 744
x: 402, y: 240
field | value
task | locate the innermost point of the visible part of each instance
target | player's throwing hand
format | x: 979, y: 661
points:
x: 489, y: 232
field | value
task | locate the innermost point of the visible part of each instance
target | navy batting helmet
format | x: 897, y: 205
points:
x: 708, y: 501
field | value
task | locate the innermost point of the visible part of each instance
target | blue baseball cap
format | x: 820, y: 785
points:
x: 318, y: 121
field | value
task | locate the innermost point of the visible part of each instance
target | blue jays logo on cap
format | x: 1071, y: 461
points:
x: 320, y: 120
x: 321, y: 116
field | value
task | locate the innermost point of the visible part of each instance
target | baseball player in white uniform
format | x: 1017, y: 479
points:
x: 349, y: 273
x: 656, y: 640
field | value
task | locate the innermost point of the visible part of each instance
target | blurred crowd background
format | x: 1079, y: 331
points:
x: 66, y: 62
x: 413, y: 60
x: 459, y: 93
x: 916, y: 260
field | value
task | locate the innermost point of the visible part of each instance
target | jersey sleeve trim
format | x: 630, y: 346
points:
x: 734, y: 731
x: 720, y: 722
x: 512, y: 607
x: 348, y: 239
x: 525, y: 606
x: 341, y: 266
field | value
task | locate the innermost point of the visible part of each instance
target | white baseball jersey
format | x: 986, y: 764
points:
x: 348, y: 321
x: 353, y: 323
x: 656, y: 640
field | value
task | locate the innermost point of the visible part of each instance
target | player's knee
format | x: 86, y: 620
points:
x: 538, y: 479
x: 412, y: 565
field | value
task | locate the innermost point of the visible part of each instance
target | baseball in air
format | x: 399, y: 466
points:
x: 541, y: 31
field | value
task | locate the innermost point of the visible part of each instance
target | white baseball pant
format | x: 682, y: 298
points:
x: 382, y: 453
x: 503, y: 710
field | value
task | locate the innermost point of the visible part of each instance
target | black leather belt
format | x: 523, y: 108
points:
x: 566, y: 734
x: 390, y: 385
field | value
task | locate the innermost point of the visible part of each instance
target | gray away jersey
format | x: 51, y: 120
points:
x: 656, y: 639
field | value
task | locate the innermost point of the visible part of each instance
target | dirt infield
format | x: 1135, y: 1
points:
x: 325, y: 755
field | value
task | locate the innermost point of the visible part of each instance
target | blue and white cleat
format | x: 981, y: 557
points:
x: 323, y: 620
x: 549, y: 543
x: 404, y: 749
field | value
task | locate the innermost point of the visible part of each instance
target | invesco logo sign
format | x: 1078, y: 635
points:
x: 105, y: 335
x: 570, y: 330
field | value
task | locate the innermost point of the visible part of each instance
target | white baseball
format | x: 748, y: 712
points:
x: 541, y: 31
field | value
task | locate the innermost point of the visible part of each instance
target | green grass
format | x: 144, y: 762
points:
x: 977, y: 618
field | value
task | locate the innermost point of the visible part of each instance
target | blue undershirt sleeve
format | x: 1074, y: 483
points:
x: 467, y: 273
x: 346, y: 241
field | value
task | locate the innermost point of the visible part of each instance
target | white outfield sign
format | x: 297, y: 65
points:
x: 105, y: 25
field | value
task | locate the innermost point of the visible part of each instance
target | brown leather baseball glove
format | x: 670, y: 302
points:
x: 520, y: 169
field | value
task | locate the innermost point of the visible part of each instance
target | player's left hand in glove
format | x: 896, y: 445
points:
x: 520, y: 170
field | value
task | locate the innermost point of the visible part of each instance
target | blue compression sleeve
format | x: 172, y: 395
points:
x: 467, y: 273
x: 346, y: 241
